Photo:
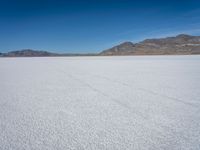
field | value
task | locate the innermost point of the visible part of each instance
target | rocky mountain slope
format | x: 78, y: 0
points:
x: 181, y: 44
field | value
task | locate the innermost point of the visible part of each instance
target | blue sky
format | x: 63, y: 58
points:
x: 92, y: 25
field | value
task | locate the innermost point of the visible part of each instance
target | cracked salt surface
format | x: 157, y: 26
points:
x: 140, y: 102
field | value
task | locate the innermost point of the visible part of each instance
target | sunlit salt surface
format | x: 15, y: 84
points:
x: 114, y: 103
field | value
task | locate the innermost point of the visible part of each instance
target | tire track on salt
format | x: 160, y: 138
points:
x: 149, y: 91
x: 125, y: 106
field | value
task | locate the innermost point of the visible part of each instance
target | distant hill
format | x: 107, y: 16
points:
x: 36, y: 53
x: 179, y: 45
x: 28, y: 53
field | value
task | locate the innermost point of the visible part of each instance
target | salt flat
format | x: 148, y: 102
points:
x: 114, y: 103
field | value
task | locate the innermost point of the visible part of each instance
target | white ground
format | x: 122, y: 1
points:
x: 114, y: 103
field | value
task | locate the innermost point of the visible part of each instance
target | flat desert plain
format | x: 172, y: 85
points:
x: 98, y: 103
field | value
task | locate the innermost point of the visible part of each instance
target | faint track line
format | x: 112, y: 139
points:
x: 127, y: 107
x: 108, y: 96
x: 148, y: 91
x: 171, y: 130
x: 124, y: 105
x: 130, y: 109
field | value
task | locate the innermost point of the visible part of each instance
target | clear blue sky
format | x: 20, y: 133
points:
x: 92, y: 25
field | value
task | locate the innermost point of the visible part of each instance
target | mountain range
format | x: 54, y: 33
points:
x: 179, y: 45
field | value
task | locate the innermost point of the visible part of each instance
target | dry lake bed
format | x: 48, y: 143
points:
x: 98, y: 103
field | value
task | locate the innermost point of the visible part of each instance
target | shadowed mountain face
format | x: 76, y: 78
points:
x: 181, y: 44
